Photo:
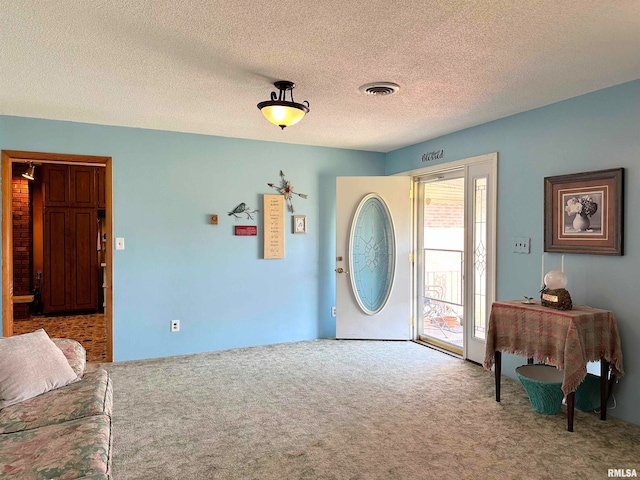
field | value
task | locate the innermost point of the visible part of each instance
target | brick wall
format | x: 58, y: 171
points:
x: 440, y: 215
x: 22, y: 238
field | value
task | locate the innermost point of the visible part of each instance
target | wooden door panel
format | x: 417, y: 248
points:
x: 82, y: 186
x: 55, y: 282
x: 101, y: 190
x: 56, y: 185
x: 84, y: 259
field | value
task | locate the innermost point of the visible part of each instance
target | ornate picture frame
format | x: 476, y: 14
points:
x: 583, y: 212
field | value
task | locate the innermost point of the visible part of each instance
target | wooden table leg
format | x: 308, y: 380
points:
x: 571, y: 403
x: 604, y: 388
x: 497, y: 366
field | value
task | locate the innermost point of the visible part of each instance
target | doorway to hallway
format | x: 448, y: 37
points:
x: 52, y: 284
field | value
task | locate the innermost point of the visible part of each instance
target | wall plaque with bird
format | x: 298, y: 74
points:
x: 242, y: 208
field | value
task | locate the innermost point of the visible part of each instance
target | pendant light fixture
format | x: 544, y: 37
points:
x: 281, y: 111
x: 29, y: 174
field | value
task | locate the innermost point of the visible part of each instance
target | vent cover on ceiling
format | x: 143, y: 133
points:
x: 379, y: 88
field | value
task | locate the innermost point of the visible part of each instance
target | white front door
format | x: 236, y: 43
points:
x: 373, y: 271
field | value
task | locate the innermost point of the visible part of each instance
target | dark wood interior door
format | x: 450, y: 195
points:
x: 82, y: 186
x: 56, y: 296
x: 70, y: 276
x: 56, y: 185
x: 70, y: 260
x: 84, y: 258
x: 101, y: 189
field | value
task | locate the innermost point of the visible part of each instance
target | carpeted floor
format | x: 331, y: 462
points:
x: 357, y: 410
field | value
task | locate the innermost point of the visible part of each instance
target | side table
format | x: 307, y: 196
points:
x: 566, y: 339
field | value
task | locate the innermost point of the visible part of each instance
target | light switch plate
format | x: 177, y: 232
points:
x: 119, y: 243
x: 521, y: 244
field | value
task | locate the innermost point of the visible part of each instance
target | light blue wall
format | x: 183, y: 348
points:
x: 592, y: 132
x: 178, y: 266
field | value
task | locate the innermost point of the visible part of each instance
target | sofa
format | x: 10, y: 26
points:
x: 64, y: 433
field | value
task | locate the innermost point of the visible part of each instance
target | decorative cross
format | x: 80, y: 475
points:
x: 286, y: 189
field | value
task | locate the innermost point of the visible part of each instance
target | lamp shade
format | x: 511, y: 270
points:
x: 280, y: 111
x: 555, y: 279
x: 283, y: 114
x: 29, y: 174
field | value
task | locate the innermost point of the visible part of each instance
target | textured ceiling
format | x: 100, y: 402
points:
x: 202, y: 66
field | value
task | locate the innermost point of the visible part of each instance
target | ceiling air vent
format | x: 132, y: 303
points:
x: 379, y: 88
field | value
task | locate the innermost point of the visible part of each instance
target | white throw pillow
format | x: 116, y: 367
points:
x: 31, y: 365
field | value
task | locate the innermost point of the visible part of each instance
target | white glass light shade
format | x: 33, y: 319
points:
x: 555, y: 279
x: 283, y: 115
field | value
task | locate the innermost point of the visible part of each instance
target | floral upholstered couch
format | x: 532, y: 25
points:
x: 64, y: 433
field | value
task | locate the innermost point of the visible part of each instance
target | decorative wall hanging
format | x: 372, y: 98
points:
x: 299, y: 224
x: 243, y: 209
x: 583, y: 212
x: 286, y: 189
x: 214, y: 219
x: 246, y: 230
x: 273, y: 219
x: 435, y: 155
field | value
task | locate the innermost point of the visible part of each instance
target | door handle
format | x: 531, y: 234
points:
x: 341, y: 270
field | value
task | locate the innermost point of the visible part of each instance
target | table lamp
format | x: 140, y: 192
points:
x: 554, y: 293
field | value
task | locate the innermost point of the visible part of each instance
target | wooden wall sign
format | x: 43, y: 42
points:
x: 273, y: 218
x: 246, y: 230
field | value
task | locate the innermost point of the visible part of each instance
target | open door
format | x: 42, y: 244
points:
x: 456, y: 252
x: 373, y: 267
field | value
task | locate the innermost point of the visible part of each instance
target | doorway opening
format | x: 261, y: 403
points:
x: 454, y: 275
x: 57, y: 266
x: 442, y: 249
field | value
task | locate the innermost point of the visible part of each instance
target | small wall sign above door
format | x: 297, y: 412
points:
x: 435, y: 155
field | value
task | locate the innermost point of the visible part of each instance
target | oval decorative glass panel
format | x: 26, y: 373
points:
x: 372, y: 252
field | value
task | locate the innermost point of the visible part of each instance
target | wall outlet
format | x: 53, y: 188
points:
x: 333, y: 311
x: 175, y: 325
x: 119, y: 243
x: 521, y: 244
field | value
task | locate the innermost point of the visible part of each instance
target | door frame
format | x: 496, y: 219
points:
x: 443, y: 168
x: 9, y: 157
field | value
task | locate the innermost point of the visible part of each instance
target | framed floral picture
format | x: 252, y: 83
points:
x: 583, y: 212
